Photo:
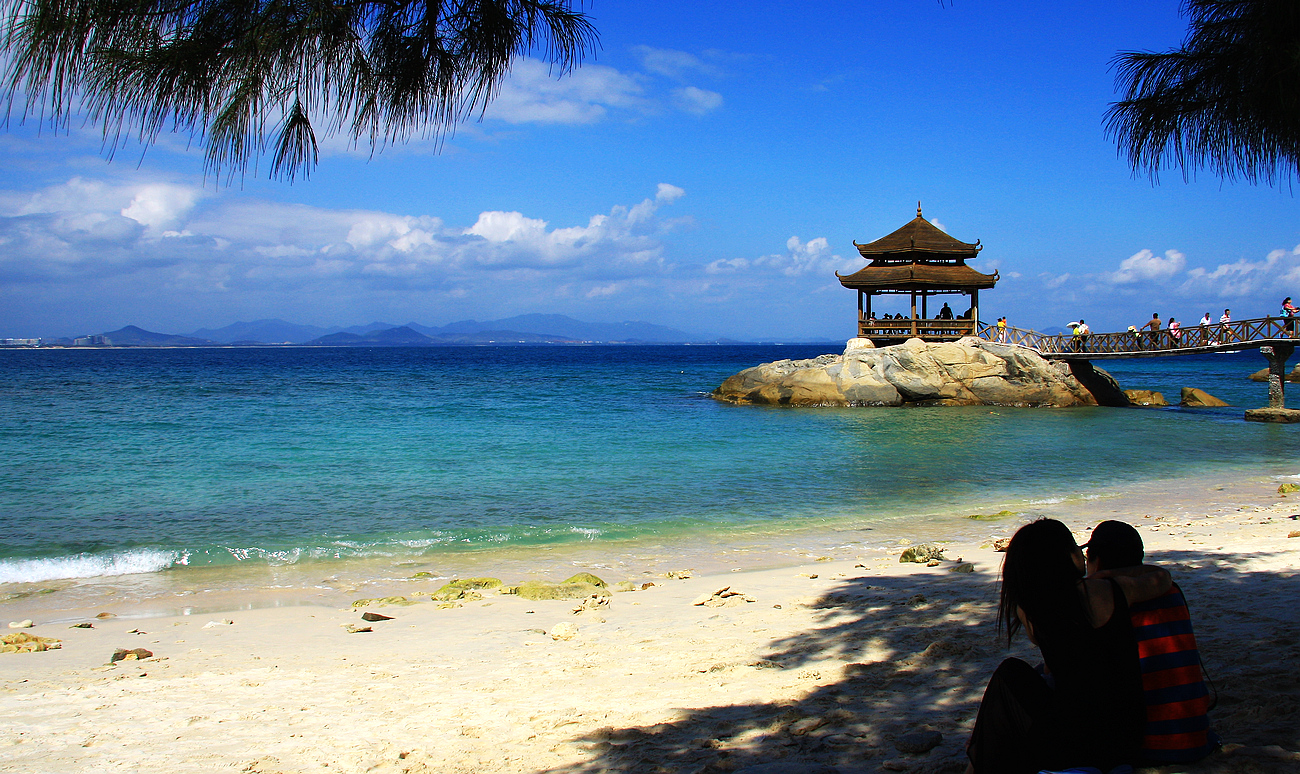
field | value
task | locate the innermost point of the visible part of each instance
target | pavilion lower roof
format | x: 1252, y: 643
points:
x: 918, y: 276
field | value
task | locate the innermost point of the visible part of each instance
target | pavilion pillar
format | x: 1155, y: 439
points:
x: 913, y: 312
x: 925, y: 307
x: 1277, y: 356
x: 975, y: 311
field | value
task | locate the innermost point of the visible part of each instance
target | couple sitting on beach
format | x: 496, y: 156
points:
x: 1122, y: 679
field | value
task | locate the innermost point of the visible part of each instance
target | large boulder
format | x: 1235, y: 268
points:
x: 969, y: 372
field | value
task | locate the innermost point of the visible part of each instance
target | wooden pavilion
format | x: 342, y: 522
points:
x: 919, y: 260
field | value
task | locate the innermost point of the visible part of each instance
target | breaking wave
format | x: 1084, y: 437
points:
x: 132, y: 562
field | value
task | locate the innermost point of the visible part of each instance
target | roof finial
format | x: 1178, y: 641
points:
x: 918, y: 208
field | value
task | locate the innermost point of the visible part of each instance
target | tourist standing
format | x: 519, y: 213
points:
x: 1083, y: 330
x: 1175, y: 333
x: 1002, y: 330
x: 1154, y: 325
x: 1289, y: 312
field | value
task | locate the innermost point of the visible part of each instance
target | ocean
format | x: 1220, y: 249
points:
x: 151, y: 469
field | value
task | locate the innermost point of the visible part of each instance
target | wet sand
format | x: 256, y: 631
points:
x: 843, y: 652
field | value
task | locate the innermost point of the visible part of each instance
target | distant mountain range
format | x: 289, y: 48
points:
x: 522, y: 329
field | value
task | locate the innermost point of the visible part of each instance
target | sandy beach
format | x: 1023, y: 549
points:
x: 838, y: 663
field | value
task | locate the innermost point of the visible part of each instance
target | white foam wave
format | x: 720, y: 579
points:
x: 135, y: 562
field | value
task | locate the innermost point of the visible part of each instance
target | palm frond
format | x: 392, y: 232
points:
x: 1228, y: 99
x: 222, y: 70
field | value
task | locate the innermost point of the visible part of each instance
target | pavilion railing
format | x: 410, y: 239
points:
x: 1237, y: 334
x: 918, y: 328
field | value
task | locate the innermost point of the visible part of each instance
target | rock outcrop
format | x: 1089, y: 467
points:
x: 1262, y: 375
x: 1146, y: 398
x: 968, y: 372
x: 1194, y: 398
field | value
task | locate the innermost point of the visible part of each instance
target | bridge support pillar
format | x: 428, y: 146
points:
x: 1277, y: 356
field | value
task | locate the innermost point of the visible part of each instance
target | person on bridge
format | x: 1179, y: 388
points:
x: 1083, y: 331
x: 1154, y: 325
x: 1002, y: 330
x: 1175, y: 333
x: 1289, y: 312
x: 945, y: 313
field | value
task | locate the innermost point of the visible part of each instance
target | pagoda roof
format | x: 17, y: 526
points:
x: 916, y: 240
x: 918, y: 276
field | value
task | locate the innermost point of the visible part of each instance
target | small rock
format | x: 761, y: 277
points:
x: 564, y: 631
x: 86, y: 625
x: 809, y: 576
x: 135, y: 654
x: 354, y: 629
x: 215, y: 624
x: 962, y: 567
x: 375, y: 617
x: 932, y: 563
x: 625, y: 586
x: 1282, y: 489
x: 22, y: 642
x: 104, y: 616
x: 646, y: 585
x: 678, y: 574
x: 1000, y: 545
x: 918, y: 742
x: 921, y: 553
x: 1293, y: 534
x: 23, y: 624
x: 593, y: 602
x: 801, y: 727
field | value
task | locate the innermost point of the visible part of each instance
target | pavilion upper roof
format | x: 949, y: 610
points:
x: 918, y: 241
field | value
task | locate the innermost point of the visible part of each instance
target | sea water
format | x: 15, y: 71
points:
x: 123, y: 463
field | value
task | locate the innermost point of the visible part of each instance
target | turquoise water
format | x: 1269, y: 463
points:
x: 135, y: 461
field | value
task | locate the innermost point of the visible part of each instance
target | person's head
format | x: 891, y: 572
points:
x: 1286, y: 300
x: 1113, y: 544
x: 1081, y: 321
x: 1227, y: 311
x: 1155, y: 315
x: 1040, y: 575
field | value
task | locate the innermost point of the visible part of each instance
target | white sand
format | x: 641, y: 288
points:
x: 824, y: 671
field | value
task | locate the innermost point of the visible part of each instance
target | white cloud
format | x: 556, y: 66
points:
x: 532, y: 94
x: 670, y: 63
x: 1146, y: 266
x: 160, y: 206
x: 1280, y: 269
x: 800, y: 258
x: 668, y: 193
x: 697, y: 101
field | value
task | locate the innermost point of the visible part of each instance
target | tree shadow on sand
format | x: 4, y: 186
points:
x: 891, y: 660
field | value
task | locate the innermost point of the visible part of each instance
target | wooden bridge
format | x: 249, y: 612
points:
x: 1275, y: 337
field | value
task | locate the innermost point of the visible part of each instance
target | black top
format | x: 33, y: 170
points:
x: 1098, y: 704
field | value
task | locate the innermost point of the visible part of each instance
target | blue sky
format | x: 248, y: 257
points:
x: 709, y: 170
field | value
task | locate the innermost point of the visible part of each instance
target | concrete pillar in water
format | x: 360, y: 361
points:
x: 1277, y: 356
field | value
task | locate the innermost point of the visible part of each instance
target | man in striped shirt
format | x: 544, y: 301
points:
x: 1177, y: 702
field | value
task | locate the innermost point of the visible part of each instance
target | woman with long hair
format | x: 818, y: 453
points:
x: 1086, y: 707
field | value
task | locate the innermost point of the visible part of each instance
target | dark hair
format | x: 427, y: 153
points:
x: 1040, y: 577
x: 1114, y: 544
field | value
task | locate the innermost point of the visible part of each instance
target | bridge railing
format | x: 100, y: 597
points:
x: 1213, y: 336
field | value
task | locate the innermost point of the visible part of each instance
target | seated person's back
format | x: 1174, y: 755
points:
x: 1177, y: 702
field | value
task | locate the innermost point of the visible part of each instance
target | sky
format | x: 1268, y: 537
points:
x: 709, y: 169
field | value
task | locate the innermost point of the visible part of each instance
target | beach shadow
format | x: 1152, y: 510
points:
x: 889, y: 660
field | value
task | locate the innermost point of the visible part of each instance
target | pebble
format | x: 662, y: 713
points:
x: 24, y: 624
x: 918, y: 742
x: 963, y: 567
x: 564, y: 631
x: 801, y: 727
x: 375, y: 617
